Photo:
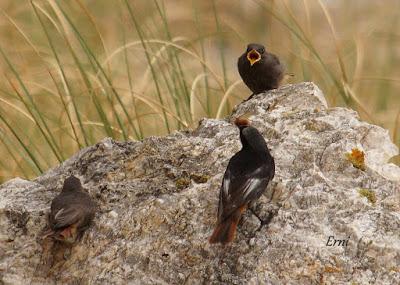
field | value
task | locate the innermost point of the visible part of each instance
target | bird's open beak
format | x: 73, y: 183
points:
x: 253, y: 56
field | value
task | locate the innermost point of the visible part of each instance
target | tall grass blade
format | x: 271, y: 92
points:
x: 138, y: 131
x: 3, y: 139
x: 22, y: 144
x: 203, y: 56
x: 139, y: 31
x: 33, y: 110
x: 221, y: 47
x: 175, y: 58
x: 96, y: 65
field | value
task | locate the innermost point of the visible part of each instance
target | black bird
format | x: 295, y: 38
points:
x: 246, y: 178
x: 260, y: 70
x: 72, y: 212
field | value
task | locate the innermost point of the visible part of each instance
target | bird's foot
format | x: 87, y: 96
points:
x: 251, y: 96
x: 265, y: 219
x: 262, y: 222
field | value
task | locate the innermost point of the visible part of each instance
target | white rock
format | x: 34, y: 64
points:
x: 150, y: 231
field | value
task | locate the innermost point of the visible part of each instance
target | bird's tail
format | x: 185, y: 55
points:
x: 67, y: 235
x: 225, y: 231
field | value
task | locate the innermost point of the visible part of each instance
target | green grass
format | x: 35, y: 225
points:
x: 78, y: 71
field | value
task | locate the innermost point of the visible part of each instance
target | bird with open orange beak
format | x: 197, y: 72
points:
x: 260, y: 70
x: 245, y: 180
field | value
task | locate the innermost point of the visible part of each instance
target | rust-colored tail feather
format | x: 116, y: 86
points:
x: 225, y: 231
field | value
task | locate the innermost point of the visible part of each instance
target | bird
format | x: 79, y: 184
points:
x: 260, y: 70
x: 71, y: 212
x: 246, y: 178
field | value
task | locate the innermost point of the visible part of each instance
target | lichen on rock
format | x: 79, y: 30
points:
x: 152, y: 228
x: 356, y: 157
x: 369, y: 194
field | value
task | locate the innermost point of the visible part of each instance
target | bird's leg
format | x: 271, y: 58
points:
x: 263, y: 221
x: 251, y: 96
x: 255, y: 214
x: 67, y: 252
x: 271, y: 105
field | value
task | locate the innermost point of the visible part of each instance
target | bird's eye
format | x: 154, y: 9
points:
x: 262, y: 50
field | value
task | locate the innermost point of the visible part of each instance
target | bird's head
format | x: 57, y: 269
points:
x: 250, y: 137
x: 72, y: 183
x: 254, y: 53
x: 242, y: 122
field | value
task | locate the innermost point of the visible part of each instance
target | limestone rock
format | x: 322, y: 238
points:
x: 158, y: 200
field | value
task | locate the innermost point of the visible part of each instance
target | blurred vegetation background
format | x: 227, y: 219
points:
x: 74, y: 72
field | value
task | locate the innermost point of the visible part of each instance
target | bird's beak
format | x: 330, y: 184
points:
x: 253, y: 56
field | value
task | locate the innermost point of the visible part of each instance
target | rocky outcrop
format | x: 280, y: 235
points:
x: 157, y: 203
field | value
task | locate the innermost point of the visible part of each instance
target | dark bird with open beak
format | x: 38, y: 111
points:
x: 245, y: 180
x: 260, y: 70
x: 72, y: 212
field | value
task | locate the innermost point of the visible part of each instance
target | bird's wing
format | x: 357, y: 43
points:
x: 237, y: 191
x: 67, y: 216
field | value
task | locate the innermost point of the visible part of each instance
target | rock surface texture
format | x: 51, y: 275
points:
x: 158, y: 198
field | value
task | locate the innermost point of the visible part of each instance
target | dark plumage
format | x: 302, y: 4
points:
x: 246, y: 178
x: 260, y: 70
x: 72, y: 212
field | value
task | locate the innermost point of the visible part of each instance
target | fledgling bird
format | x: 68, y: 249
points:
x: 260, y: 70
x: 246, y: 178
x: 71, y: 213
